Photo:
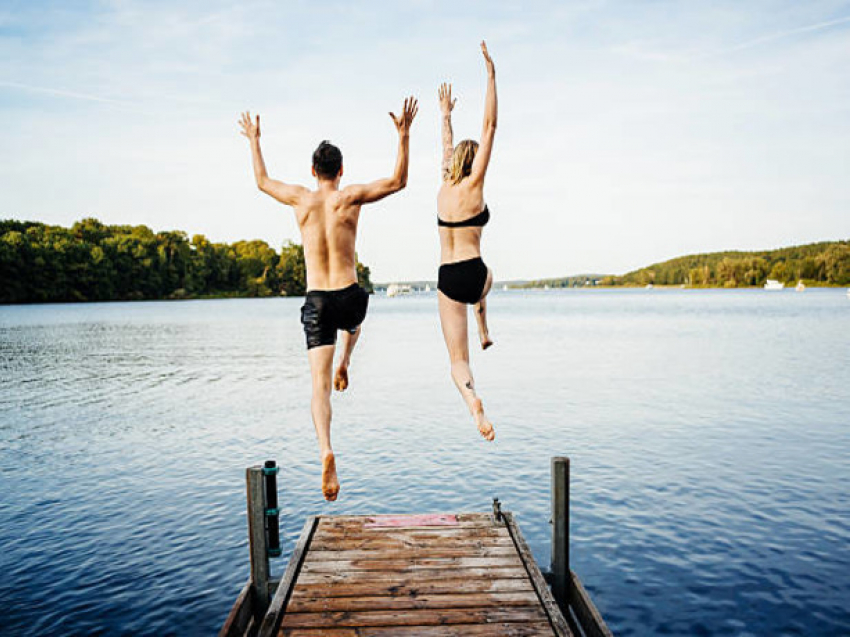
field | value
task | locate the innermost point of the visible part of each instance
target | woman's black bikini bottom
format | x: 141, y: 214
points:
x: 463, y: 281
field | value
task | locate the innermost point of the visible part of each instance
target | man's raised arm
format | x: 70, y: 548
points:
x: 284, y: 193
x: 447, y: 105
x: 367, y: 193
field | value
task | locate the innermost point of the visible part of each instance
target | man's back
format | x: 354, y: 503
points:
x: 328, y: 224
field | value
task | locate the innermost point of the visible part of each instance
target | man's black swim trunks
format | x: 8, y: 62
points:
x: 326, y: 311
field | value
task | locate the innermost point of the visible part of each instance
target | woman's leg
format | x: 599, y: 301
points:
x: 480, y: 309
x: 453, y: 319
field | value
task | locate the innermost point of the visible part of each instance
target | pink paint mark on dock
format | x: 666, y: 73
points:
x: 384, y: 521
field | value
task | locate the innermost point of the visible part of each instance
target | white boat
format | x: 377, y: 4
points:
x: 848, y: 293
x: 649, y: 286
x: 427, y: 287
x: 773, y: 284
x: 397, y: 289
x: 505, y: 287
x: 801, y: 287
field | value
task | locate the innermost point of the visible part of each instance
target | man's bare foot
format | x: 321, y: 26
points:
x: 485, y: 427
x: 486, y: 342
x: 330, y: 483
x: 341, y: 378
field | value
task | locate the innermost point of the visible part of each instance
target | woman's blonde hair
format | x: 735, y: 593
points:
x: 462, y: 159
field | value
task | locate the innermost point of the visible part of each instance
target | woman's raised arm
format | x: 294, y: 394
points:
x: 447, y: 105
x: 488, y: 131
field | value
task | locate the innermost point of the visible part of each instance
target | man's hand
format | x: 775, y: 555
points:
x: 403, y: 121
x: 250, y: 129
x: 447, y: 104
x: 491, y: 69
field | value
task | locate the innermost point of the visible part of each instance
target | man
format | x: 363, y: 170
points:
x: 327, y: 218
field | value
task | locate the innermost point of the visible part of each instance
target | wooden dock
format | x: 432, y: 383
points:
x: 423, y: 574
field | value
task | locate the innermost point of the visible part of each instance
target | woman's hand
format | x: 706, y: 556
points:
x: 491, y: 69
x: 250, y: 129
x: 403, y: 121
x: 447, y: 104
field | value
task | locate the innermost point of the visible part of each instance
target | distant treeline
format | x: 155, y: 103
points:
x: 94, y: 262
x: 576, y: 281
x: 826, y: 263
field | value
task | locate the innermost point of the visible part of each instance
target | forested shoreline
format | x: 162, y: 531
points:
x: 824, y: 263
x: 819, y: 264
x: 91, y: 261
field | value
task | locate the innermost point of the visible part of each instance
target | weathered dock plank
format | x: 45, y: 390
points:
x: 418, y: 617
x: 532, y: 629
x: 378, y: 600
x: 414, y: 575
x: 414, y: 587
x: 410, y: 553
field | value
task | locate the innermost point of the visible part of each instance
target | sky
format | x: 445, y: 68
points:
x: 629, y: 132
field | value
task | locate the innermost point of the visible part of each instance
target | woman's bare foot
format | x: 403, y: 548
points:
x: 341, y: 378
x: 485, y: 427
x: 330, y: 483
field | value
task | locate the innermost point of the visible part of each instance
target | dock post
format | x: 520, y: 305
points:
x: 561, y: 530
x: 257, y: 537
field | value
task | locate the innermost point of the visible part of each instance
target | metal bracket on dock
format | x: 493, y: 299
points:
x: 497, y: 509
x: 271, y: 510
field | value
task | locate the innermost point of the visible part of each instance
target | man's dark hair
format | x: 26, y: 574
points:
x: 327, y: 160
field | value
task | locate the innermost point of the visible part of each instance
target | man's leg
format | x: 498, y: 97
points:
x: 321, y: 363
x: 349, y: 340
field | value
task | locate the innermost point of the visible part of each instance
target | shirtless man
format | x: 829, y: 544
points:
x: 327, y: 218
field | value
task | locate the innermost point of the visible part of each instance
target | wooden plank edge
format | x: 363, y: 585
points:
x: 585, y: 610
x: 355, y: 517
x: 239, y: 617
x: 550, y: 606
x: 277, y: 608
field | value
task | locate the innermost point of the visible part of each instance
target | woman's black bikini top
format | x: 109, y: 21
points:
x: 478, y: 221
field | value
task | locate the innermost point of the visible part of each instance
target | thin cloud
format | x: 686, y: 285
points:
x: 71, y: 94
x: 772, y: 37
x: 636, y: 49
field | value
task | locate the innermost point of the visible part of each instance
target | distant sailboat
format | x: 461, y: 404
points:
x: 505, y: 286
x: 772, y: 284
x: 801, y: 287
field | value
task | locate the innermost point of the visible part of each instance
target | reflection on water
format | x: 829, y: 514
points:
x: 707, y: 430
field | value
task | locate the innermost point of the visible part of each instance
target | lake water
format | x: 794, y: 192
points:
x: 709, y: 433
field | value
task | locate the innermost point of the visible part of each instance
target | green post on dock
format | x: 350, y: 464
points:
x: 561, y: 579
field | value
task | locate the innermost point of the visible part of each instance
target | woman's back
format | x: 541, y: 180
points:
x: 457, y: 203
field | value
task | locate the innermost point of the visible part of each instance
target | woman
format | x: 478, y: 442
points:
x: 464, y: 279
